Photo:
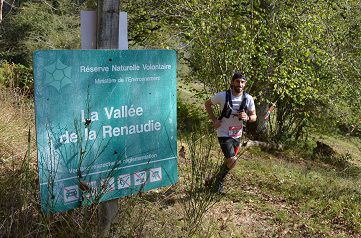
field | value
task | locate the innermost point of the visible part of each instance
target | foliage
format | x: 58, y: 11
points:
x: 16, y: 76
x: 190, y: 118
x: 339, y: 79
x: 284, y: 48
x: 199, y: 166
x: 147, y: 24
x: 303, y: 57
x: 36, y: 26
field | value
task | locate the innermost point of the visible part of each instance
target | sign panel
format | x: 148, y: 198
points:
x: 106, y: 124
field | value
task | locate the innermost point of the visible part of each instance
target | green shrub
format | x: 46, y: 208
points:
x: 338, y: 160
x: 17, y: 76
x: 191, y: 118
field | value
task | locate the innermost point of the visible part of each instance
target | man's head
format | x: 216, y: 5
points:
x: 238, y: 82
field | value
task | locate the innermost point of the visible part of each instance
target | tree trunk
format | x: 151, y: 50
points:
x: 262, y: 128
x: 259, y: 130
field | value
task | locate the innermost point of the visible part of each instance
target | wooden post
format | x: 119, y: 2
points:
x: 1, y: 10
x: 107, y: 24
x: 107, y: 38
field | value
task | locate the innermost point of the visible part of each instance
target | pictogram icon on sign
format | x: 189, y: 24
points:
x: 140, y: 177
x: 155, y: 174
x: 124, y: 181
x: 92, y: 189
x: 108, y: 185
x: 71, y: 194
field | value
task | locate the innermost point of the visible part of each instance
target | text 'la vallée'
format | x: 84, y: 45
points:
x: 108, y: 131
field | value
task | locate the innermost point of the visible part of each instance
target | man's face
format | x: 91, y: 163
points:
x: 238, y: 85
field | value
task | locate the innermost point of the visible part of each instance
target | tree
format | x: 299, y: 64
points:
x: 36, y: 26
x: 283, y: 47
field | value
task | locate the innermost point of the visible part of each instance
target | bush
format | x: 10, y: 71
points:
x: 17, y: 76
x: 191, y: 118
x: 39, y: 25
x: 328, y: 155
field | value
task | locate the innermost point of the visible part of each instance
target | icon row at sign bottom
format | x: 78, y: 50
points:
x: 139, y: 178
x: 71, y: 193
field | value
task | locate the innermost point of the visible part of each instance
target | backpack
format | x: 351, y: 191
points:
x: 227, y: 110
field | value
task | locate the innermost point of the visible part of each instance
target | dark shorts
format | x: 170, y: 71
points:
x: 229, y: 146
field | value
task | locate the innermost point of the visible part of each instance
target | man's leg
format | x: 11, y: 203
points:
x: 229, y: 148
x: 236, y: 149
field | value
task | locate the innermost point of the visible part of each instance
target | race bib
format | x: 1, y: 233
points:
x: 235, y: 131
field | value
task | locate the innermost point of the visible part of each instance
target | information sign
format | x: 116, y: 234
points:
x: 106, y: 124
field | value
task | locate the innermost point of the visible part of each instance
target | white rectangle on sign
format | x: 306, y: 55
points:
x: 124, y: 181
x: 71, y: 194
x: 108, y: 185
x: 140, y: 178
x: 155, y: 174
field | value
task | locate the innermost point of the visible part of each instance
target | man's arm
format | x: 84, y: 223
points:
x: 252, y: 116
x: 208, y: 104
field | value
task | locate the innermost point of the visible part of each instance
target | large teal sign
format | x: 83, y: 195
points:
x: 106, y: 124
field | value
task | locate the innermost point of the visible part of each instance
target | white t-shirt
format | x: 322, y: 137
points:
x: 232, y: 126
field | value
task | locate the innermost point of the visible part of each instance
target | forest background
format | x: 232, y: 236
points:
x: 301, y: 56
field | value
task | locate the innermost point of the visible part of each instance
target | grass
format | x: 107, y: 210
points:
x: 16, y: 116
x: 16, y: 174
x: 302, y: 193
x: 278, y: 194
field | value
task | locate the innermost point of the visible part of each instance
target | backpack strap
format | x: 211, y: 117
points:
x: 226, y: 112
x: 243, y: 105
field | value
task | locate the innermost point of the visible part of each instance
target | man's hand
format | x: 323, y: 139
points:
x: 243, y: 116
